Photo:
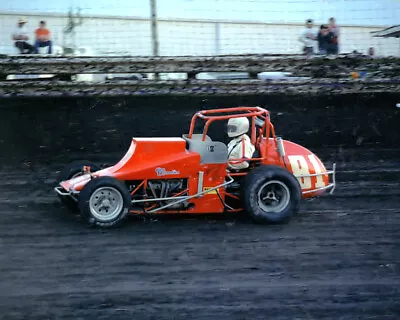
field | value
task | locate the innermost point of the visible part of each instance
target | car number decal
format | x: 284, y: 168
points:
x: 300, y: 167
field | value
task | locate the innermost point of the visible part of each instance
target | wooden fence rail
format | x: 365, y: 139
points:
x: 195, y: 87
x: 316, y: 66
x: 328, y: 75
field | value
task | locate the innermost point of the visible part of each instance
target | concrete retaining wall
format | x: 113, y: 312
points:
x: 43, y: 131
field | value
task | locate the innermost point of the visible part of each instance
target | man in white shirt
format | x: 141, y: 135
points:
x: 240, y: 147
x: 308, y: 37
x: 20, y: 36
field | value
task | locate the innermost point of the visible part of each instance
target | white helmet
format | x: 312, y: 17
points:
x: 237, y: 126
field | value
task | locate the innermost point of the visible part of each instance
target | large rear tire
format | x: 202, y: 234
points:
x: 104, y: 202
x: 271, y: 194
x: 74, y: 169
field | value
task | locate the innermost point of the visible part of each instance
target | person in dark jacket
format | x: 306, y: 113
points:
x: 325, y: 40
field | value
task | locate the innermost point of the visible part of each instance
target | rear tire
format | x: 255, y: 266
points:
x: 271, y: 194
x: 74, y: 169
x: 104, y: 202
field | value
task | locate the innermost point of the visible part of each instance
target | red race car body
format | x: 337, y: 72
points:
x: 190, y: 175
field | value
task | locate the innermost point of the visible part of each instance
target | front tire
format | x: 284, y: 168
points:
x: 271, y: 194
x: 104, y: 202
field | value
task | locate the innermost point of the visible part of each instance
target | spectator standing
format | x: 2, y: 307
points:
x: 325, y: 40
x: 20, y: 36
x: 308, y: 37
x: 42, y: 37
x: 371, y: 51
x: 335, y: 30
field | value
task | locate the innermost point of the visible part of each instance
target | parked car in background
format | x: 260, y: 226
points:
x: 268, y: 75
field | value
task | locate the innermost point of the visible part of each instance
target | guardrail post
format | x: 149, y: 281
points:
x: 154, y: 32
x: 217, y: 38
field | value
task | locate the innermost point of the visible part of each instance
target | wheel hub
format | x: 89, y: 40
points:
x: 106, y: 203
x: 273, y: 196
x: 270, y: 196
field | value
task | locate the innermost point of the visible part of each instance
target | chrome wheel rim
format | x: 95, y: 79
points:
x: 273, y: 196
x: 106, y: 203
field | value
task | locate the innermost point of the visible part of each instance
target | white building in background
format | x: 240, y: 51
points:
x: 117, y: 35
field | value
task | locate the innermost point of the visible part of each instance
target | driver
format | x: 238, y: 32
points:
x: 240, y: 147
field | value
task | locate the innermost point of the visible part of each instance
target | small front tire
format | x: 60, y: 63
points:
x: 104, y: 202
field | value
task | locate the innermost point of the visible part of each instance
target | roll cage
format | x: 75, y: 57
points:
x: 261, y: 127
x: 260, y: 124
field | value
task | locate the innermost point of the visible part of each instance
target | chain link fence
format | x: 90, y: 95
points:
x: 195, y: 27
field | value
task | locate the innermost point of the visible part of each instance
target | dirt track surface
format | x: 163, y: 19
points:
x: 338, y: 259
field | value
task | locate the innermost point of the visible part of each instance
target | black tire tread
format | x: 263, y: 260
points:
x: 259, y: 176
x: 87, y: 191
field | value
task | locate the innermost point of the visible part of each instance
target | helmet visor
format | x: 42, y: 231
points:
x: 231, y: 128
